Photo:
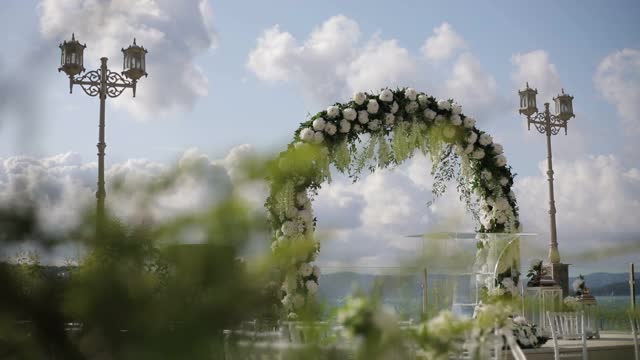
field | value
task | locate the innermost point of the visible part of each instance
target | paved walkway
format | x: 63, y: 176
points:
x: 611, y: 345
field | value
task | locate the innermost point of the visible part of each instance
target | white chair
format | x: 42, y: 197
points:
x: 635, y: 324
x: 568, y: 326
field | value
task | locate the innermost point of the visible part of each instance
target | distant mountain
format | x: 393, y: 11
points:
x: 608, y: 284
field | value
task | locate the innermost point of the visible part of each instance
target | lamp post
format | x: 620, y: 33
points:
x: 549, y: 124
x: 104, y: 83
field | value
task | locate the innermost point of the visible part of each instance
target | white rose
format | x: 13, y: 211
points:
x: 319, y: 124
x: 469, y: 149
x: 411, y: 107
x: 372, y: 106
x: 318, y: 137
x: 316, y: 271
x: 477, y: 154
x: 456, y: 109
x: 410, y: 94
x: 291, y: 212
x: 449, y: 133
x: 456, y: 120
x: 501, y: 204
x: 504, y: 181
x: 386, y: 95
x: 497, y: 149
x: 395, y: 107
x: 359, y: 98
x: 302, y: 198
x: 333, y: 111
x: 305, y: 270
x: 501, y: 160
x: 471, y: 139
x: 486, y: 174
x: 357, y: 127
x: 485, y: 139
x: 312, y: 286
x: 306, y: 134
x: 363, y: 117
x: 298, y: 301
x: 345, y: 126
x: 389, y: 119
x: 444, y: 105
x: 330, y: 129
x: 287, y: 300
x: 374, y: 125
x: 429, y: 114
x: 423, y: 100
x: 469, y: 122
x: 439, y: 118
x: 349, y: 114
x: 298, y: 145
x: 289, y: 228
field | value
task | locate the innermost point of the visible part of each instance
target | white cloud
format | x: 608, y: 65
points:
x: 174, y: 32
x: 597, y: 200
x: 535, y: 68
x: 443, y: 44
x: 330, y: 63
x: 473, y: 87
x: 63, y: 186
x: 618, y: 80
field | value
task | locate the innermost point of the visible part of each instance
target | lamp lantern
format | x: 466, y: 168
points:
x: 71, y: 57
x: 564, y: 106
x: 134, y: 61
x: 528, y: 101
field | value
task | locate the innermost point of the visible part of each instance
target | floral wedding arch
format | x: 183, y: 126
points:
x: 379, y: 131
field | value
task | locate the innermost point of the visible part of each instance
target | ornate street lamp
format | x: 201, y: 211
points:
x: 549, y: 124
x: 104, y: 83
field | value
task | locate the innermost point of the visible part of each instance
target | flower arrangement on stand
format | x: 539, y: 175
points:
x: 536, y: 273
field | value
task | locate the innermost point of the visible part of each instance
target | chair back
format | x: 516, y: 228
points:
x: 568, y: 326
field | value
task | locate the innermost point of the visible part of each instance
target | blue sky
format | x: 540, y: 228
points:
x: 206, y: 95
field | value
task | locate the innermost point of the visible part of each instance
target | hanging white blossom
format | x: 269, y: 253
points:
x: 456, y: 120
x: 306, y: 270
x: 319, y: 124
x: 386, y: 95
x: 307, y: 134
x: 330, y: 129
x: 312, y: 286
x: 423, y: 100
x: 501, y: 160
x: 497, y: 149
x: 359, y: 98
x: 485, y: 139
x: 318, y: 137
x: 469, y: 122
x: 477, y: 154
x: 456, y: 109
x: 345, y: 126
x: 395, y: 107
x: 372, y: 106
x: 333, y: 111
x: 349, y: 114
x: 363, y: 117
x: 410, y: 94
x: 430, y: 114
x: 411, y: 107
x: 389, y: 119
x: 444, y: 105
x: 471, y: 139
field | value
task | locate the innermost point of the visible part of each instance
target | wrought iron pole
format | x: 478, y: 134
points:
x: 101, y: 193
x: 554, y: 254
